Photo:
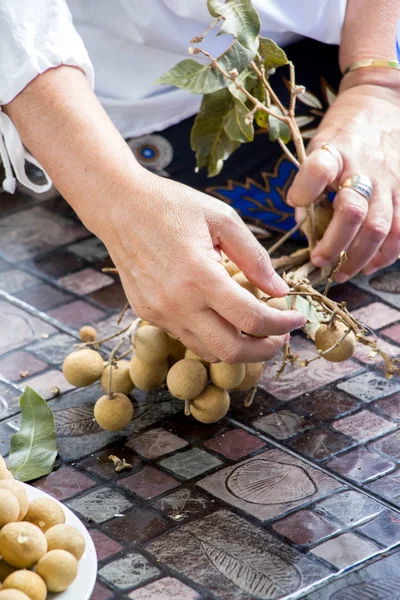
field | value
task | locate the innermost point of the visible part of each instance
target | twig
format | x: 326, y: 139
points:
x: 248, y: 401
x: 187, y: 408
x: 292, y: 90
x: 109, y: 270
x: 121, y: 316
x: 199, y: 38
x: 268, y: 87
x: 285, y: 237
x: 331, y: 280
x: 106, y: 339
x: 286, y: 150
x: 111, y: 363
x: 322, y: 353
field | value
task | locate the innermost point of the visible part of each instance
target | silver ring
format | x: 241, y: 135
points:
x: 360, y: 184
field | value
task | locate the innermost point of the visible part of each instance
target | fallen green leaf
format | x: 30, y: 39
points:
x: 277, y: 129
x: 240, y: 20
x: 273, y: 56
x: 33, y: 449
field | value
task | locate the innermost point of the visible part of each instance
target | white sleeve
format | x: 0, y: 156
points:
x: 35, y: 35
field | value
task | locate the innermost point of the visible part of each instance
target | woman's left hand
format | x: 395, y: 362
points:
x: 363, y: 129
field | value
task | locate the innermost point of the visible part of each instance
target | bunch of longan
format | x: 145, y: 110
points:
x: 39, y: 552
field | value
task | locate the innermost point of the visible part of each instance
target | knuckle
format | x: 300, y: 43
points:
x: 229, y: 354
x: 253, y: 322
x: 354, y: 212
x: 377, y: 230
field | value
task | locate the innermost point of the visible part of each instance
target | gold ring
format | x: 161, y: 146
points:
x: 360, y: 184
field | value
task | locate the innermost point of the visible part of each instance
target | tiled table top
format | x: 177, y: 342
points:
x: 296, y: 497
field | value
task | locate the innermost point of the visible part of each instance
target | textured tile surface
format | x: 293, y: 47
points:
x: 345, y: 550
x: 235, y: 444
x: 156, y: 443
x: 305, y: 527
x: 370, y: 386
x: 167, y: 588
x: 14, y: 364
x: 86, y: 281
x: 190, y: 463
x: 129, y: 571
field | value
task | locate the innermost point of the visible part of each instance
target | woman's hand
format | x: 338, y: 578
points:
x: 363, y: 125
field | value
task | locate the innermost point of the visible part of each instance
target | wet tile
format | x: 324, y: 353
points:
x: 364, y: 425
x: 86, y: 281
x: 14, y: 364
x: 282, y: 424
x: 101, y: 592
x: 78, y: 313
x: 54, y: 265
x: 38, y: 232
x: 391, y: 407
x: 54, y: 349
x: 129, y: 571
x: 263, y: 404
x: 183, y: 504
x: 269, y: 485
x: 65, y: 483
x: 105, y: 546
x: 350, y: 508
x: 44, y: 296
x: 167, y: 588
x: 297, y: 380
x: 384, y: 529
x: 351, y: 294
x: 100, y: 505
x: 156, y: 443
x: 361, y: 465
x: 18, y: 328
x: 9, y: 401
x: 389, y: 445
x: 364, y: 355
x: 377, y: 315
x: 326, y: 405
x: 109, y: 326
x: 149, y: 483
x: 388, y: 487
x: 393, y: 333
x: 225, y: 544
x: 111, y: 297
x: 13, y: 203
x: 91, y: 249
x: 13, y: 281
x: 49, y: 384
x: 193, y: 431
x: 370, y: 386
x: 346, y: 550
x: 100, y: 463
x: 388, y: 281
x: 191, y: 463
x: 235, y: 444
x: 320, y: 444
x: 305, y: 527
x: 137, y: 526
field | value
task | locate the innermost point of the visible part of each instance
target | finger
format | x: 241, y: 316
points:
x: 389, y: 252
x: 192, y: 342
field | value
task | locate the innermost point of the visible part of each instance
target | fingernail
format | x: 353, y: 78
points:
x: 319, y: 261
x: 279, y: 285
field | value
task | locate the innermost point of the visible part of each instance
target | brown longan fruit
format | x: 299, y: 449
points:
x: 4, y: 472
x: 22, y: 544
x: 151, y: 344
x: 121, y: 381
x: 327, y: 335
x: 87, y: 333
x: 9, y: 507
x: 83, y: 367
x: 66, y: 537
x: 278, y: 303
x: 254, y: 372
x: 58, y: 569
x: 113, y: 413
x: 5, y: 570
x: 211, y: 406
x: 192, y: 356
x: 45, y: 513
x: 28, y: 582
x: 13, y: 595
x: 147, y: 377
x: 229, y: 265
x: 187, y: 379
x: 226, y: 376
x: 242, y: 280
x: 17, y: 488
x: 176, y: 350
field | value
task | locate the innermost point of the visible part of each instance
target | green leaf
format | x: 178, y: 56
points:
x: 208, y: 136
x: 240, y: 20
x: 33, y: 449
x: 277, y: 129
x: 306, y: 308
x: 273, y: 56
x: 235, y: 124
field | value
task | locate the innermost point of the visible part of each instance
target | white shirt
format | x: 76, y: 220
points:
x: 128, y: 44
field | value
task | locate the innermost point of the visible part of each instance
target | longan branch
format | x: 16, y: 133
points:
x: 288, y: 153
x: 268, y: 87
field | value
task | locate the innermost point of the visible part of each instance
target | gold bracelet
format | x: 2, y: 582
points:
x: 373, y: 62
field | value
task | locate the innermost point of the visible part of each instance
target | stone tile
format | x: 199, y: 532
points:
x: 263, y: 404
x: 351, y: 294
x: 100, y: 505
x: 156, y: 443
x: 388, y: 487
x: 54, y: 265
x: 111, y: 297
x: 44, y: 296
x: 364, y: 425
x: 38, y: 232
x: 100, y: 463
x: 191, y: 463
x: 320, y: 444
x: 86, y: 281
x: 149, y: 483
x: 370, y: 386
x: 129, y: 571
x: 101, y: 592
x: 78, y: 313
x: 269, y: 485
x: 91, y: 249
x: 9, y: 402
x: 18, y: 328
x: 361, y: 465
x: 297, y: 380
x: 137, y: 526
x: 350, y: 508
x: 184, y: 504
x: 326, y: 405
x: 65, y: 483
x: 13, y: 203
x: 364, y: 354
x: 345, y: 550
x: 13, y: 281
x: 390, y: 406
x: 109, y: 326
x: 388, y: 281
x: 377, y: 315
x: 305, y: 527
x: 46, y: 384
x: 167, y: 588
x: 389, y: 445
x: 235, y: 444
x: 14, y: 364
x: 282, y: 425
x: 384, y: 529
x: 393, y: 333
x: 246, y: 556
x: 54, y: 349
x: 105, y: 546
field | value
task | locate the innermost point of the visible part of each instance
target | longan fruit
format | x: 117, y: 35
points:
x: 211, y: 406
x: 115, y: 413
x: 9, y: 507
x: 28, y: 582
x: 13, y: 595
x: 17, y: 488
x: 242, y: 280
x: 58, y: 569
x: 151, y: 344
x: 254, y: 372
x: 83, y: 367
x: 87, y: 333
x: 5, y: 570
x: 22, y: 544
x: 192, y: 356
x: 176, y: 350
x: 229, y: 265
x: 226, y: 376
x: 327, y: 335
x: 66, y: 537
x: 144, y: 323
x: 187, y: 379
x: 45, y: 513
x: 278, y: 303
x: 147, y: 377
x: 4, y: 472
x: 121, y: 381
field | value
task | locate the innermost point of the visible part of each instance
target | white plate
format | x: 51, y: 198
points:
x: 83, y: 585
